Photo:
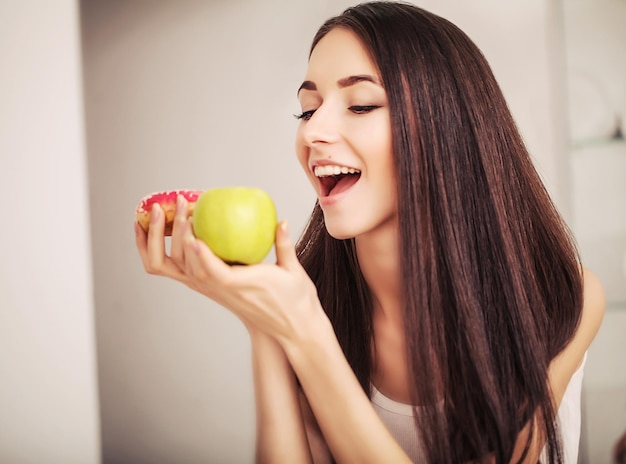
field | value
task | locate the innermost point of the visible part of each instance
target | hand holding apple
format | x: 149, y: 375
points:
x: 278, y: 299
x: 237, y: 223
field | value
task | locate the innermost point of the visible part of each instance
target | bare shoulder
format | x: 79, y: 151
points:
x: 593, y: 309
x: 593, y: 295
x: 568, y: 361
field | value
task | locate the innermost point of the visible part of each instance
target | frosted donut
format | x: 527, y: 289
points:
x: 167, y: 201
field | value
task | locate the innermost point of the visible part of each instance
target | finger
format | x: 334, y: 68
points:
x: 285, y: 251
x: 200, y: 261
x: 157, y: 261
x: 178, y: 231
x: 141, y: 240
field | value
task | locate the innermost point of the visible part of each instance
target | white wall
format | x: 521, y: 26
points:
x: 48, y: 395
x: 200, y: 94
x: 595, y: 34
x: 596, y: 77
x: 523, y: 41
x: 604, y: 390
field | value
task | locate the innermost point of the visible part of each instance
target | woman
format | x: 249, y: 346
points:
x: 435, y: 275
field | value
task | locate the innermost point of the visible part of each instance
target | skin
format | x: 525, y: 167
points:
x: 290, y: 333
x: 339, y: 132
x: 347, y: 123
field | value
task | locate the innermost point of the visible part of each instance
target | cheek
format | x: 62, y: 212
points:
x: 374, y: 135
x: 384, y: 162
x: 302, y: 153
x: 386, y: 148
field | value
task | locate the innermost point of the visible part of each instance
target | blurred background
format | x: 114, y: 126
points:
x: 102, y: 102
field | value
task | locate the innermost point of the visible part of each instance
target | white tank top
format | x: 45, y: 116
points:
x: 398, y: 417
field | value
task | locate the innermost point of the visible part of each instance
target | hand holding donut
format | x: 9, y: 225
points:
x: 278, y: 299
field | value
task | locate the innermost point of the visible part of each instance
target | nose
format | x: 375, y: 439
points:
x: 321, y: 128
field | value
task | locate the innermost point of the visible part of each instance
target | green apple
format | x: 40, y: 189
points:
x: 237, y: 223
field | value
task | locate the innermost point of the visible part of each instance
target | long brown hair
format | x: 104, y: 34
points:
x: 490, y: 272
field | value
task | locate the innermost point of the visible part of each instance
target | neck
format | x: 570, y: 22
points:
x: 379, y: 259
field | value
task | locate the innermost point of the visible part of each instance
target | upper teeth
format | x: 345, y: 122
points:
x: 332, y: 170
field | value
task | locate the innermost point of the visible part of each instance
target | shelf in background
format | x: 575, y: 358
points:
x: 616, y: 306
x: 597, y: 142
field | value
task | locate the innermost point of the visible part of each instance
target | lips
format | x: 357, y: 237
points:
x: 335, y: 179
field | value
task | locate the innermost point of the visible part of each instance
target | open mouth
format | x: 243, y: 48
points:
x: 336, y: 179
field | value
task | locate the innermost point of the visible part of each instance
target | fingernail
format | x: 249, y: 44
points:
x: 180, y: 202
x: 156, y: 210
x: 283, y: 233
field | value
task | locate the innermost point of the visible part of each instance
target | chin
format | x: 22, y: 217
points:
x: 340, y: 235
x: 340, y: 230
x: 343, y: 226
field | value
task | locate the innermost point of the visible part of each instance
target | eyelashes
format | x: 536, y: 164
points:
x: 356, y: 109
x: 306, y: 115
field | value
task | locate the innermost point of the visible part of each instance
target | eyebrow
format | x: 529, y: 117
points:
x: 343, y: 82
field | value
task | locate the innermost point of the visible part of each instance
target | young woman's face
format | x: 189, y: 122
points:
x: 344, y: 137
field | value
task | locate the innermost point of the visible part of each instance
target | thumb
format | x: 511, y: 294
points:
x: 285, y: 250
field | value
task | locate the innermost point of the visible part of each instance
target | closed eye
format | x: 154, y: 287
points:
x: 363, y: 109
x: 305, y: 115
